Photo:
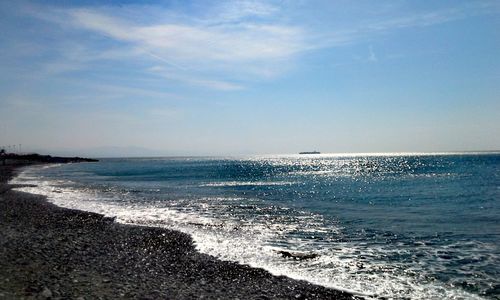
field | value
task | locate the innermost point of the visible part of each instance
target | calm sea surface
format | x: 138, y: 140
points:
x: 402, y: 226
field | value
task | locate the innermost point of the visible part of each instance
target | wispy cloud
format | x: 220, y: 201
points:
x: 391, y: 21
x: 182, y: 73
x: 196, y: 46
x: 186, y: 42
x: 240, y: 40
x: 237, y: 10
x: 171, y: 74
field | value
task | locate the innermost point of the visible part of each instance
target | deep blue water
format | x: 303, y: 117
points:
x: 403, y: 226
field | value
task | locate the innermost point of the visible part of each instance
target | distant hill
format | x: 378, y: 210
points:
x: 45, y: 158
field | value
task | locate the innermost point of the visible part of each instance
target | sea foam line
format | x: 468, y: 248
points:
x: 245, y: 249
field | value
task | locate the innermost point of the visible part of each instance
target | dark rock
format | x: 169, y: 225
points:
x: 297, y: 255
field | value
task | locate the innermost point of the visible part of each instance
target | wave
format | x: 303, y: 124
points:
x: 256, y: 241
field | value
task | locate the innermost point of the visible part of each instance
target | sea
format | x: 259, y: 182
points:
x: 392, y: 226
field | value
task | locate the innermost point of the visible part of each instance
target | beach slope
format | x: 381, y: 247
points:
x: 51, y: 252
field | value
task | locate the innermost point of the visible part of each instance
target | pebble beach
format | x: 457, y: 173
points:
x: 48, y: 252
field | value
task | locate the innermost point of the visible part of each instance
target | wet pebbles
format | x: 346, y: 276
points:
x: 47, y: 252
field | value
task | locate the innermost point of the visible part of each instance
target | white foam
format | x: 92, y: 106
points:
x: 247, y: 242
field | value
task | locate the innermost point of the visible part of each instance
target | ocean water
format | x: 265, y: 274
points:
x: 402, y: 226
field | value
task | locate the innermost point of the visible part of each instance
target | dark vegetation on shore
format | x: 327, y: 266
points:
x: 48, y: 252
x: 38, y: 158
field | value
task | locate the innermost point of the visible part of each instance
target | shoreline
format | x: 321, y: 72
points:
x: 53, y: 252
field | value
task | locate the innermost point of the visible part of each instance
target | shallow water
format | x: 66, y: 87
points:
x: 401, y: 226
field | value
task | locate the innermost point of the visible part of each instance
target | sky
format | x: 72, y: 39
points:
x: 249, y: 77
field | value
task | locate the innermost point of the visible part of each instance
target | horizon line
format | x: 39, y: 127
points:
x: 326, y: 154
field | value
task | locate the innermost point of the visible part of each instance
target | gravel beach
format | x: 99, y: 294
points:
x: 48, y: 252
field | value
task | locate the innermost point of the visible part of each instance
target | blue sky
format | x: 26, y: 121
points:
x: 250, y: 77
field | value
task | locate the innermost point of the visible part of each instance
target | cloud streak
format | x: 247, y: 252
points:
x: 183, y: 42
x: 239, y: 41
x: 385, y: 24
x: 201, y: 51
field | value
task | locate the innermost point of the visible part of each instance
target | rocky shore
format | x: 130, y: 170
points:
x: 47, y: 252
x: 14, y: 158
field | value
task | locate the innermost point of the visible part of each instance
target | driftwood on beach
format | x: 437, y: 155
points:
x: 297, y: 255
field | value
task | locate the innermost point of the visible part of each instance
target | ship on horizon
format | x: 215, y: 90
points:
x: 310, y: 152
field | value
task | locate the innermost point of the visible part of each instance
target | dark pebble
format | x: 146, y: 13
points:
x: 80, y: 254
